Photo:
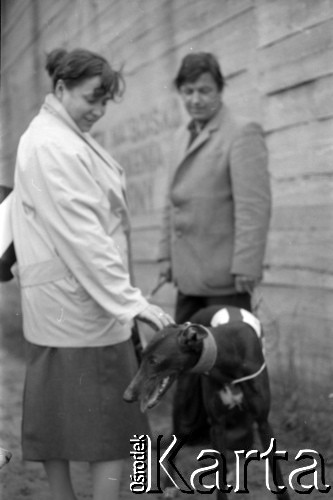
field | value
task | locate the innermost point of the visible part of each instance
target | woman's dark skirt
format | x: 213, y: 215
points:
x: 73, y: 407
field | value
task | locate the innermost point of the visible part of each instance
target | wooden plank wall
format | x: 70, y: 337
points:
x: 295, y: 63
x: 277, y: 57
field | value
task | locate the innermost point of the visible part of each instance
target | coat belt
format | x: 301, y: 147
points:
x: 42, y: 272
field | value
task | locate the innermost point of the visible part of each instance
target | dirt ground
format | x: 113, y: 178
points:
x: 26, y: 481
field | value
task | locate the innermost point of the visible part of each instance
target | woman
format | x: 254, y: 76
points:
x: 70, y: 224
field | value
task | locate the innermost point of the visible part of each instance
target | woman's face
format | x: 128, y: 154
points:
x: 84, y: 103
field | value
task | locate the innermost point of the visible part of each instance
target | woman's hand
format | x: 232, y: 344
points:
x: 155, y: 317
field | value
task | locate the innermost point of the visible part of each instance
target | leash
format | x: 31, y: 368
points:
x: 249, y: 377
x: 257, y: 302
x: 161, y: 282
x: 209, y: 354
x: 268, y: 320
x: 208, y: 358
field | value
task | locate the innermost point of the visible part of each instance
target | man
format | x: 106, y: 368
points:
x: 217, y: 213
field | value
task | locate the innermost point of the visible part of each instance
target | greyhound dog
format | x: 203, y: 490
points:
x: 225, y: 345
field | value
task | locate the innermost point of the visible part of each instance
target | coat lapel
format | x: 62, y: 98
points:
x: 100, y: 151
x: 181, y: 147
x: 53, y: 106
x: 116, y: 177
x: 114, y: 167
x: 199, y: 140
x: 202, y: 138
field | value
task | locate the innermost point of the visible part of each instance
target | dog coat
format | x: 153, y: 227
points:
x: 231, y: 395
x: 221, y: 317
x: 231, y: 314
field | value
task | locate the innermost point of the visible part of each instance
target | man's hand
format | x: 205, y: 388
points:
x: 245, y: 284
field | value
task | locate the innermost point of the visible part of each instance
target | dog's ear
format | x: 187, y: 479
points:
x: 191, y: 335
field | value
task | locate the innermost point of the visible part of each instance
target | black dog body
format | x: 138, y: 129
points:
x: 234, y: 378
x: 240, y: 354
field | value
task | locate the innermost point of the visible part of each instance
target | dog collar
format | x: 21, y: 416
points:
x: 208, y: 355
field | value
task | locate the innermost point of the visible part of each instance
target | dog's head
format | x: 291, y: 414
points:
x: 173, y: 350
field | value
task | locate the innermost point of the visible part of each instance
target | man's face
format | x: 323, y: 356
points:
x: 201, y: 98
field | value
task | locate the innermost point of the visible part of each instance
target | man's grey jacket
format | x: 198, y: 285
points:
x: 218, y: 206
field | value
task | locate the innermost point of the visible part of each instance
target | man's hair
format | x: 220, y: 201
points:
x: 194, y: 65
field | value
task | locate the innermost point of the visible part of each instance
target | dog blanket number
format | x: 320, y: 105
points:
x: 230, y: 314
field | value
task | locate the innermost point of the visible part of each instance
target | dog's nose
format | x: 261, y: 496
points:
x: 129, y: 395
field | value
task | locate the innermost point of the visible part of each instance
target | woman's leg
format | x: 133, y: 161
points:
x: 59, y: 478
x: 106, y: 478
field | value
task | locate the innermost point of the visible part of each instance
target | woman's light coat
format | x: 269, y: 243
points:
x: 71, y: 227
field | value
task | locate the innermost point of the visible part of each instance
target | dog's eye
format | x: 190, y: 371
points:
x: 158, y: 362
x: 153, y: 361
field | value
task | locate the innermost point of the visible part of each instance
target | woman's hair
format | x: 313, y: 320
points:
x: 80, y: 64
x: 194, y: 65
